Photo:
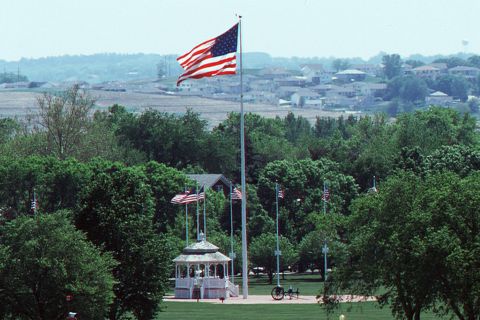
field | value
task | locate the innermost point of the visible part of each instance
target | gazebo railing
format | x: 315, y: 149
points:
x: 214, y: 283
x: 183, y: 282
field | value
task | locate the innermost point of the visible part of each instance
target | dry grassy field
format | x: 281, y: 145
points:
x: 18, y: 104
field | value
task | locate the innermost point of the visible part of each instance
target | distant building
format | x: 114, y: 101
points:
x: 469, y: 73
x: 215, y: 181
x: 439, y: 98
x: 285, y: 92
x: 274, y: 73
x: 351, y: 75
x: 291, y: 81
x: 306, y: 98
x: 369, y: 68
x: 427, y: 72
x: 316, y: 74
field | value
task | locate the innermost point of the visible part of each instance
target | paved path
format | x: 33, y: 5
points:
x: 257, y: 299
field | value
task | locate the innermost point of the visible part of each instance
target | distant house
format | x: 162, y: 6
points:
x: 230, y: 87
x: 262, y: 85
x: 336, y: 100
x: 306, y: 98
x: 322, y: 89
x: 217, y: 182
x: 370, y: 89
x: 348, y: 91
x: 274, y: 73
x: 285, y: 92
x: 439, y: 98
x: 316, y: 73
x: 351, y: 75
x: 442, y: 66
x: 291, y: 81
x: 427, y: 72
x: 464, y: 71
x: 369, y: 68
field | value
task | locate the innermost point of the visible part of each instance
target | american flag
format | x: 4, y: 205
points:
x: 34, y: 204
x: 236, y: 194
x: 179, y: 197
x: 326, y: 194
x: 189, y: 196
x: 214, y: 57
x: 281, y: 193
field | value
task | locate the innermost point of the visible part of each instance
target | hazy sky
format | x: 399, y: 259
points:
x: 306, y: 28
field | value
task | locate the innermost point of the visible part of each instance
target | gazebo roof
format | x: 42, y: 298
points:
x: 201, y: 251
x: 201, y: 258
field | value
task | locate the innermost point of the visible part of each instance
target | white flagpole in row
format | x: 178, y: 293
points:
x: 232, y: 253
x: 242, y: 169
x: 278, y: 253
x: 325, y: 246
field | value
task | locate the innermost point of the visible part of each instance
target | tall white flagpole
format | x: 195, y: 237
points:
x: 186, y: 220
x: 242, y: 169
x: 325, y: 245
x: 205, y: 212
x: 198, y: 216
x: 232, y: 253
x: 277, y: 252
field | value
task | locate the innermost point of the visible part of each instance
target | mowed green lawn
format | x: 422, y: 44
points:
x: 209, y: 311
x: 308, y: 284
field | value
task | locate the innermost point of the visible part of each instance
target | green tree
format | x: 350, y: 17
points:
x: 458, y: 158
x: 165, y: 183
x: 43, y: 259
x: 262, y: 253
x: 392, y: 65
x: 474, y: 61
x: 116, y: 212
x: 454, y: 86
x: 302, y: 181
x: 340, y: 64
x: 407, y: 88
x: 64, y: 117
x: 387, y: 249
x: 452, y: 62
x: 434, y: 128
x: 453, y: 239
x: 415, y: 63
x: 10, y: 77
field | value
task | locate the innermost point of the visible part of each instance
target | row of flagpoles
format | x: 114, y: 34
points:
x: 196, y: 195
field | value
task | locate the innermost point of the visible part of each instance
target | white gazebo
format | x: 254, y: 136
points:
x: 201, y: 272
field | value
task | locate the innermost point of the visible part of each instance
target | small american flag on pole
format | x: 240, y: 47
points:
x: 236, y: 194
x: 34, y: 204
x: 326, y: 194
x: 281, y: 193
x: 214, y: 57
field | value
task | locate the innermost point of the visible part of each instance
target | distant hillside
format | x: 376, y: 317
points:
x: 119, y: 67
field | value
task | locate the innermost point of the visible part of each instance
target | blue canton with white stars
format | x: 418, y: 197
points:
x: 226, y: 43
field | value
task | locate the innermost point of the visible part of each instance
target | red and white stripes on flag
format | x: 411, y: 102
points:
x: 281, y: 193
x: 236, y: 194
x: 326, y: 194
x: 188, y: 197
x: 214, y: 57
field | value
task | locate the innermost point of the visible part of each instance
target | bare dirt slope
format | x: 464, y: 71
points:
x: 214, y: 111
